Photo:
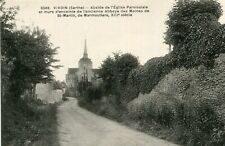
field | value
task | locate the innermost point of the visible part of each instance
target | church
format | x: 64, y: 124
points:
x: 84, y: 73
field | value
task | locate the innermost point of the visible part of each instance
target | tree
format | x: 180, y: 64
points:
x: 27, y: 55
x: 33, y: 58
x: 107, y: 73
x: 7, y: 19
x: 58, y: 85
x: 115, y: 70
x: 191, y: 30
x: 124, y: 64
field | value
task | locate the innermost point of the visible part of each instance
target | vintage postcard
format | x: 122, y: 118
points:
x: 112, y: 72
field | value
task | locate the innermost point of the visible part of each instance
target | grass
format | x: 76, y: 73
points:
x: 29, y: 124
x: 48, y: 127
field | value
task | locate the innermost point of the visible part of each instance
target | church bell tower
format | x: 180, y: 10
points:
x: 85, y: 55
x: 85, y: 66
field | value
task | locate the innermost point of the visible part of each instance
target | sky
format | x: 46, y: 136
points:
x: 142, y: 34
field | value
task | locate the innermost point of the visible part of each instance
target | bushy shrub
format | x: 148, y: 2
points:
x: 143, y: 79
x: 28, y: 122
x: 109, y: 107
x: 190, y: 101
x: 93, y: 93
x: 132, y: 88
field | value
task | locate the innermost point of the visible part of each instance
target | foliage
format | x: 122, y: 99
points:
x: 93, y: 93
x: 7, y: 26
x: 193, y: 31
x: 190, y: 101
x: 124, y: 64
x: 31, y: 56
x: 107, y: 73
x: 105, y: 106
x: 197, y: 37
x: 184, y: 15
x: 31, y: 123
x: 83, y: 86
x: 133, y: 86
x: 58, y: 85
x: 27, y: 58
x: 105, y: 99
x: 7, y: 17
x: 145, y: 78
x: 115, y: 70
x: 27, y: 55
x: 182, y: 91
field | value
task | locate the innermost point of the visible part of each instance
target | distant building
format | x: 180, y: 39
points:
x: 47, y: 94
x: 84, y: 72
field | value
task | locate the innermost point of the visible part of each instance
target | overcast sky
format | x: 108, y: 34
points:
x: 141, y: 35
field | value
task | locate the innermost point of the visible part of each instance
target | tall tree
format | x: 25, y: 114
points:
x: 124, y: 64
x: 33, y: 59
x: 27, y: 55
x: 107, y: 73
x: 115, y: 70
x: 191, y: 28
x: 7, y: 19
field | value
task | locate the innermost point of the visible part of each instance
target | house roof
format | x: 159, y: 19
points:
x: 86, y: 60
x: 72, y: 70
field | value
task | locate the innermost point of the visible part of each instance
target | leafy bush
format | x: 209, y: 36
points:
x: 145, y: 78
x: 107, y: 106
x: 190, y: 101
x: 92, y: 93
x: 133, y: 85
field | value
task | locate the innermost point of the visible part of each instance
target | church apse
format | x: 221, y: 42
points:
x: 84, y: 72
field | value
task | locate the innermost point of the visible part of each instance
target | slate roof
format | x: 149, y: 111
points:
x: 88, y: 60
x: 72, y: 70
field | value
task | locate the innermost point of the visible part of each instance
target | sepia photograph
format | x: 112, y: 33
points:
x: 112, y: 72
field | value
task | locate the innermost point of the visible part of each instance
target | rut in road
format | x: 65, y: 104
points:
x: 79, y: 127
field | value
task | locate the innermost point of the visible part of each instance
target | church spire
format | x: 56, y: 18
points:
x: 85, y: 55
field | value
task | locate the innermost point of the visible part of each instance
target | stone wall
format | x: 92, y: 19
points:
x: 46, y: 94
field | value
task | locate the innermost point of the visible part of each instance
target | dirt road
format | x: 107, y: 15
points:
x: 79, y: 127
